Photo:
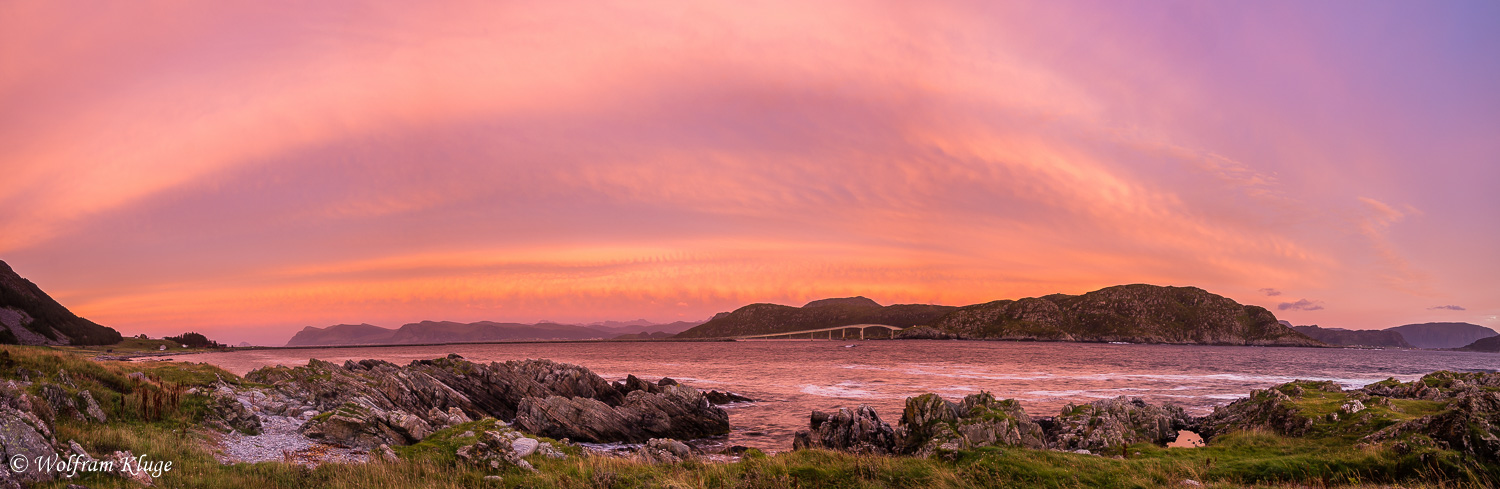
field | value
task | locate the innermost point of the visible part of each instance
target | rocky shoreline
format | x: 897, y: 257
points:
x: 1442, y: 410
x: 499, y: 416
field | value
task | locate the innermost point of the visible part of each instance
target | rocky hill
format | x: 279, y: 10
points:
x: 1350, y: 337
x: 826, y: 313
x: 29, y: 316
x: 1443, y: 335
x: 1491, y: 344
x: 342, y: 334
x: 1130, y: 313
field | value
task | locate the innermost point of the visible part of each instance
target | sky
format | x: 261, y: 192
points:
x: 247, y: 168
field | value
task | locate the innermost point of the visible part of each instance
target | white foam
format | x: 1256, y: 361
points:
x: 842, y: 390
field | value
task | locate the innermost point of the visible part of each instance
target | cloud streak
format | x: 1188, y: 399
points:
x: 198, y: 165
x: 1301, y: 305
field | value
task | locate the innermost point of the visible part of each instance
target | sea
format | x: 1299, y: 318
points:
x: 788, y: 379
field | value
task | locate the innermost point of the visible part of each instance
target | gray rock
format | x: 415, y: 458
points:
x: 929, y: 424
x: 857, y: 430
x: 357, y: 424
x: 1105, y: 424
x: 23, y: 435
x: 664, y: 450
x: 91, y: 407
x: 62, y: 404
x: 1352, y: 407
x: 720, y: 398
x: 493, y: 451
x: 675, y: 411
x: 385, y: 454
x: 226, y: 412
x: 126, y: 467
x: 64, y: 379
x: 524, y: 447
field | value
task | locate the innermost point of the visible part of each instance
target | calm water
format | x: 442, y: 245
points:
x: 790, y: 378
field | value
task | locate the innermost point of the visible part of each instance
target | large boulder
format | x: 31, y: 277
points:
x: 1109, y: 423
x: 857, y: 430
x: 494, y: 450
x: 226, y: 412
x: 929, y: 423
x: 675, y: 411
x: 91, y: 406
x: 664, y: 450
x: 721, y: 398
x: 26, y: 436
x: 60, y: 401
x: 361, y: 425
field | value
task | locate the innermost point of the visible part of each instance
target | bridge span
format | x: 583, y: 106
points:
x: 843, y: 332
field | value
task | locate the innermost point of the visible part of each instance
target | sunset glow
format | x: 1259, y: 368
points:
x: 244, y: 169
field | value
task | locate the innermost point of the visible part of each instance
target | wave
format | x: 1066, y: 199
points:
x: 843, y: 390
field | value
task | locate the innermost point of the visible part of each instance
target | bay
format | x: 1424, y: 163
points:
x: 790, y: 378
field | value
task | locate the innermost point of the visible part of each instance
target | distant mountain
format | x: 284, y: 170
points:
x: 29, y: 316
x: 642, y: 326
x: 1443, y: 335
x: 657, y: 335
x: 1491, y: 344
x: 1137, y: 313
x: 427, y: 332
x: 452, y: 332
x: 342, y: 334
x: 775, y: 318
x: 1350, y: 337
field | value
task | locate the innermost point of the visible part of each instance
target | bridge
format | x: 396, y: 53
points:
x: 843, y: 332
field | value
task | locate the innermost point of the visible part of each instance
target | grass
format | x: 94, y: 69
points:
x: 1244, y: 459
x: 133, y: 345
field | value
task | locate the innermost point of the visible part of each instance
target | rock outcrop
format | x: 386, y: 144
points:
x: 1106, y: 424
x: 360, y: 425
x: 26, y: 432
x: 929, y: 424
x: 720, y: 398
x: 675, y: 411
x: 227, y: 413
x: 857, y: 430
x: 386, y: 403
x: 1278, y: 409
x: 1442, y: 410
x: 494, y: 450
x: 91, y: 406
x: 24, y: 435
x: 664, y: 451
